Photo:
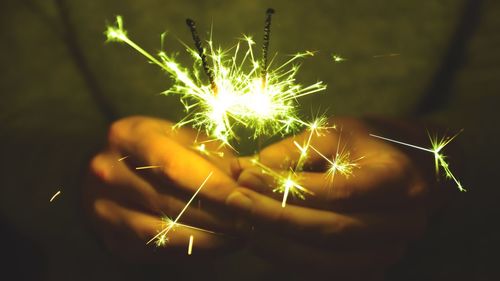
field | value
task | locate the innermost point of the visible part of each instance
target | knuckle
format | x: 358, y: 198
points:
x: 171, y: 169
x: 252, y: 180
x: 120, y: 128
x: 101, y: 209
x: 397, y: 170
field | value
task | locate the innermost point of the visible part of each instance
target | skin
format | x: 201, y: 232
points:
x: 125, y: 205
x: 353, y: 228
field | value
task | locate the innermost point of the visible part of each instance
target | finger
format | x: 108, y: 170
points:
x: 285, y: 153
x: 123, y: 185
x: 151, y: 142
x: 116, y: 178
x: 378, y: 187
x: 137, y: 228
x: 327, y: 226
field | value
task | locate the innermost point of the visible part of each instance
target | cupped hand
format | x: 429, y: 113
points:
x: 356, y: 225
x: 126, y: 203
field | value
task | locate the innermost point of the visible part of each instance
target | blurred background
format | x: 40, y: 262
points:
x: 62, y: 85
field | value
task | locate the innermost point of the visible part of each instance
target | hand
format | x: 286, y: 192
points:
x: 125, y: 205
x: 353, y: 226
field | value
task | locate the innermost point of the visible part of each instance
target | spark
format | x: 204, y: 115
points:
x: 190, y: 246
x: 340, y: 163
x: 162, y: 240
x: 169, y: 222
x: 147, y: 167
x: 202, y: 149
x: 437, y: 144
x: 338, y: 58
x: 235, y: 95
x: 123, y: 158
x: 289, y: 184
x: 169, y: 227
x: 54, y: 196
x: 316, y: 127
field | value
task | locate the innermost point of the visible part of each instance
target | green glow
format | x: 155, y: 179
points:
x: 439, y: 159
x: 340, y: 163
x: 241, y: 98
x: 286, y: 184
x: 337, y: 58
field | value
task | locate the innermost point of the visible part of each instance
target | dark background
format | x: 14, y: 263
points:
x: 61, y: 86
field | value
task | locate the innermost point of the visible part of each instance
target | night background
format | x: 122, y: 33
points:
x: 62, y: 86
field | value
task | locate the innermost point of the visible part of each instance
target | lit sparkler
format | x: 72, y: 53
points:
x: 238, y: 94
x: 439, y: 159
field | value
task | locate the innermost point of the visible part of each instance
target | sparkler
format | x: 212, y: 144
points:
x: 249, y: 93
x: 439, y: 159
x: 54, y: 196
x: 190, y: 246
x: 237, y: 93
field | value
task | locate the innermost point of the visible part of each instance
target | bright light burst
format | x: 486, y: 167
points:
x: 168, y: 223
x: 337, y: 58
x: 203, y: 150
x: 286, y: 184
x: 439, y: 159
x: 290, y: 183
x: 340, y: 163
x: 239, y: 95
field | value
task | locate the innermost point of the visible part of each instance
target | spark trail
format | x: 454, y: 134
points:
x: 163, y: 234
x: 439, y: 159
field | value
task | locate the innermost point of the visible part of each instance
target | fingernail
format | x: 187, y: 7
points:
x: 240, y: 201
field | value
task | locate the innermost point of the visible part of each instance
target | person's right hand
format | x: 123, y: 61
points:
x: 125, y: 205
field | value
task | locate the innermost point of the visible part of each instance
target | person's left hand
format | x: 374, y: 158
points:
x: 352, y: 227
